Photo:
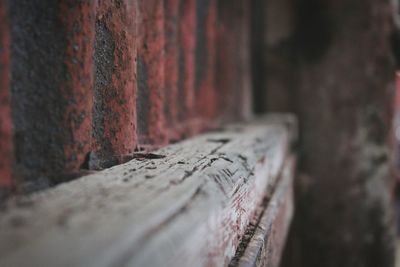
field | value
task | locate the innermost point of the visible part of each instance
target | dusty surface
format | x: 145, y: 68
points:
x: 187, y: 204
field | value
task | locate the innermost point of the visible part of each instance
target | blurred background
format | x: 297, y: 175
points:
x: 333, y: 63
x: 84, y: 84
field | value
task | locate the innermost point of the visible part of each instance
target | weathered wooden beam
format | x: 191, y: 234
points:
x: 187, y: 204
x: 265, y: 238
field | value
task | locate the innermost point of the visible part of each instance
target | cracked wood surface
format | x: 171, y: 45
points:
x: 270, y: 228
x: 189, y: 208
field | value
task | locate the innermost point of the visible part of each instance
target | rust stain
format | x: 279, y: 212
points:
x: 78, y: 19
x: 115, y: 79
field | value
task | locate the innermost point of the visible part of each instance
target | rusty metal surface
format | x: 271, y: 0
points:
x: 114, y: 117
x: 52, y: 84
x: 94, y: 81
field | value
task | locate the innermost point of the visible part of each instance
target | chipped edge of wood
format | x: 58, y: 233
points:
x: 261, y: 233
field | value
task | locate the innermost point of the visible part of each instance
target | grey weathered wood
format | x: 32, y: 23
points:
x: 189, y: 208
x: 266, y: 245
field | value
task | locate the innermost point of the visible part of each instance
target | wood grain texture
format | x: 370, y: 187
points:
x: 268, y: 237
x: 188, y: 206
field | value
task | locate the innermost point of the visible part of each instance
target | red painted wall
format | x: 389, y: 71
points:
x: 77, y: 88
x: 5, y: 111
x: 171, y: 68
x: 150, y: 71
x: 114, y: 114
x: 206, y: 71
x: 51, y: 86
x: 187, y: 44
x: 95, y: 81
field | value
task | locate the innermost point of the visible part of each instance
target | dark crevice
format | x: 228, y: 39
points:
x: 188, y: 174
x: 247, y: 237
x: 221, y: 140
x: 253, y: 225
x: 258, y: 63
x: 226, y: 159
x: 314, y: 29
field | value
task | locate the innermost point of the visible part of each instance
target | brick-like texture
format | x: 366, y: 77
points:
x: 150, y: 71
x: 51, y: 55
x: 114, y: 116
x: 6, y: 149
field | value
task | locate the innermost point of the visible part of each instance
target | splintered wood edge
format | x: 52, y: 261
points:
x: 188, y: 207
x: 270, y: 229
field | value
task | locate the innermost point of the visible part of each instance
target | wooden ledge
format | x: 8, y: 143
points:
x: 266, y: 234
x: 188, y: 206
